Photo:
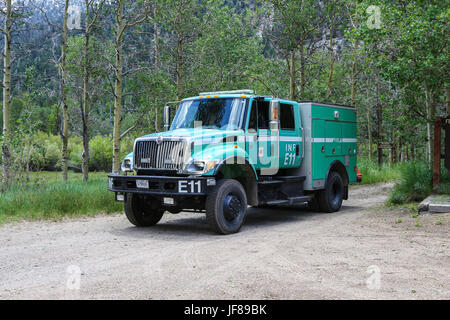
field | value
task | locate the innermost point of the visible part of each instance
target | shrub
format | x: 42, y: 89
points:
x: 414, y: 183
x: 101, y: 152
x: 46, y: 153
x: 37, y: 159
x: 52, y: 156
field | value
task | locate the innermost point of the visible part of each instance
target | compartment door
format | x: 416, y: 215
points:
x: 333, y: 136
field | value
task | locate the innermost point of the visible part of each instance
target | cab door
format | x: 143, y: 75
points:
x: 259, y: 144
x: 290, y: 135
x: 251, y: 134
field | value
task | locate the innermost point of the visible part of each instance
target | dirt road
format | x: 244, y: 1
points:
x: 363, y: 251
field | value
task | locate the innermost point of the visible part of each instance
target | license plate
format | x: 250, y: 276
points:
x: 142, y: 184
x: 169, y: 201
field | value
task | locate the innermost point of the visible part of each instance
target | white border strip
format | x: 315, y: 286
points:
x: 326, y: 140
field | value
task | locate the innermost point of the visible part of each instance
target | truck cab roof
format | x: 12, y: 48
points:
x: 250, y: 94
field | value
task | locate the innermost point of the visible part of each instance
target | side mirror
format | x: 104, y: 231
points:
x: 274, y: 114
x: 166, y: 118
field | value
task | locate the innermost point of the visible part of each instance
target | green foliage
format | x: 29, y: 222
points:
x: 414, y: 183
x: 101, y: 153
x: 45, y: 152
x: 50, y: 148
x: 232, y: 48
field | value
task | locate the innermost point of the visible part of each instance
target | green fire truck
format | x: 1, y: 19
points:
x: 225, y: 151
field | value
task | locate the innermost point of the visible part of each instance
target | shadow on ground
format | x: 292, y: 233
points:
x: 187, y: 223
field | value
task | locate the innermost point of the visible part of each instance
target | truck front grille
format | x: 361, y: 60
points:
x: 166, y: 155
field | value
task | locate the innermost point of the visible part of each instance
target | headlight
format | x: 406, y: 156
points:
x: 126, y: 165
x: 200, y: 166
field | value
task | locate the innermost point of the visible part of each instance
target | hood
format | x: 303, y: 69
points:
x: 197, y: 133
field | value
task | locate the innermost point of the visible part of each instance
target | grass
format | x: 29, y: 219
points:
x: 414, y: 183
x: 412, y: 179
x: 47, y: 197
x: 373, y: 174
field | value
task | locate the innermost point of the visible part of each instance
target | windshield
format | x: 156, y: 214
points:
x: 220, y: 113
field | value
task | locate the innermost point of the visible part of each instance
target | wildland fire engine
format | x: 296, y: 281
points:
x: 225, y: 151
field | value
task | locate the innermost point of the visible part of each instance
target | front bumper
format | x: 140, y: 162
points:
x: 162, y: 186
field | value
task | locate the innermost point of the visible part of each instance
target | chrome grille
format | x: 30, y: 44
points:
x: 166, y: 155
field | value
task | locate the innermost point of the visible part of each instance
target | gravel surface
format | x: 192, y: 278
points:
x: 365, y: 251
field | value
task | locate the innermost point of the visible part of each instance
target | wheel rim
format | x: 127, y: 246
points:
x: 232, y: 207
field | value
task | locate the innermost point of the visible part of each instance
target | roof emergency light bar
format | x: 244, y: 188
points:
x: 226, y: 92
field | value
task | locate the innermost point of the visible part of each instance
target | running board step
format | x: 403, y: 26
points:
x: 266, y: 182
x: 289, y: 200
x: 291, y: 178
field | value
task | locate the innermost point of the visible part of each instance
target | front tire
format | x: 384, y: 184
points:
x: 330, y: 199
x: 226, y: 207
x: 141, y: 212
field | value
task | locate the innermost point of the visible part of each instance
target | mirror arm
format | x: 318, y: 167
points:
x: 166, y: 118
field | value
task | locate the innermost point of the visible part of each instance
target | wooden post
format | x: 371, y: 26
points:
x: 447, y: 130
x: 437, y: 153
x: 447, y: 143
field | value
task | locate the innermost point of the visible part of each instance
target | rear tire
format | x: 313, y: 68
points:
x: 226, y: 207
x: 330, y: 199
x: 141, y: 212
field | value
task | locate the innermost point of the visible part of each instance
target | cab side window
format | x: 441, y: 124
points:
x: 252, y: 124
x: 263, y: 114
x: 287, y: 120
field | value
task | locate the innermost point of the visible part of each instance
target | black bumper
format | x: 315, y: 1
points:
x: 162, y: 186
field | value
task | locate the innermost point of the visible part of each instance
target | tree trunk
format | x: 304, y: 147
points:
x: 156, y: 38
x: 301, y: 87
x: 393, y: 154
x: 380, y: 129
x: 6, y: 155
x: 369, y: 124
x: 156, y: 119
x: 353, y: 81
x: 430, y: 112
x: 179, y: 68
x: 369, y: 132
x: 447, y: 100
x: 447, y: 130
x: 65, y: 121
x: 292, y: 76
x: 85, y: 106
x: 330, y: 75
x: 118, y: 90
